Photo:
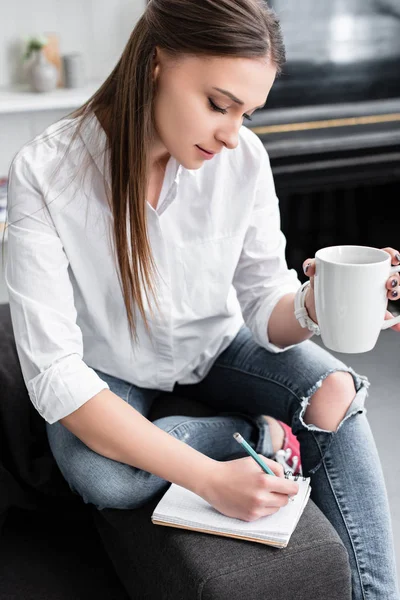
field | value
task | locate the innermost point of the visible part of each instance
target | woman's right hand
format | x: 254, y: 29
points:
x: 240, y: 489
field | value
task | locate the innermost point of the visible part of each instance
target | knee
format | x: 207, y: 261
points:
x: 101, y: 481
x: 339, y: 385
x: 117, y: 490
x: 328, y: 406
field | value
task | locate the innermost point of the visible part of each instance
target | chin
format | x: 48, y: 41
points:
x: 192, y: 165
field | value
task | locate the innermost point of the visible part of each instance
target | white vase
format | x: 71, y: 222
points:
x: 43, y: 75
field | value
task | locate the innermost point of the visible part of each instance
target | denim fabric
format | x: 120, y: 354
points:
x: 245, y: 382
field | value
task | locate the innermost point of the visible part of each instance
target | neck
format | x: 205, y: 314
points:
x: 158, y: 158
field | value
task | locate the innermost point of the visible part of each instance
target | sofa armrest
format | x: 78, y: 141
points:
x: 155, y: 562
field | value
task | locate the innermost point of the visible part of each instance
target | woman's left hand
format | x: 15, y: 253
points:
x: 392, y: 285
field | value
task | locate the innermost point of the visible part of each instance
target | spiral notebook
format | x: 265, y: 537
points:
x: 182, y: 508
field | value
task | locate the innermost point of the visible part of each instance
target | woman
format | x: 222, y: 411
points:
x: 149, y: 259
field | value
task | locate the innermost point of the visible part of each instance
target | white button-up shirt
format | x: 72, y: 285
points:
x: 217, y: 244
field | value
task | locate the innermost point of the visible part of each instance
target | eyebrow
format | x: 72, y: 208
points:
x: 232, y: 97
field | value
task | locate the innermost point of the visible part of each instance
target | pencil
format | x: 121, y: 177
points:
x: 240, y: 440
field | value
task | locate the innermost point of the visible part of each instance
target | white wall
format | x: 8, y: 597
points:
x: 99, y: 29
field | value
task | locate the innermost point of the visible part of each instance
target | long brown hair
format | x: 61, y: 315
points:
x: 241, y: 28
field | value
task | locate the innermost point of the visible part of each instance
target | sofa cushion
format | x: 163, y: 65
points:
x: 45, y: 556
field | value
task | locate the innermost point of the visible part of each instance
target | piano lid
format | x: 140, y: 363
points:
x: 338, y: 51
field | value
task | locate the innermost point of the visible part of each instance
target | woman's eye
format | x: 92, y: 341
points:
x: 217, y: 108
x: 224, y: 110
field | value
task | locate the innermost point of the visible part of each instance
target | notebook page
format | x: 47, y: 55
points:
x: 183, y: 507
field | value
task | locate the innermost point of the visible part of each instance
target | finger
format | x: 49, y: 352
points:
x: 394, y: 293
x: 281, y: 486
x: 273, y: 465
x: 389, y: 315
x: 392, y: 285
x: 395, y: 255
x: 274, y: 499
x: 269, y: 510
x: 264, y: 511
x: 309, y: 267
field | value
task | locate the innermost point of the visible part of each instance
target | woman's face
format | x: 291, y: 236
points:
x: 183, y: 111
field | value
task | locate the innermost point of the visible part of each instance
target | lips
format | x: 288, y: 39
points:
x: 209, y: 151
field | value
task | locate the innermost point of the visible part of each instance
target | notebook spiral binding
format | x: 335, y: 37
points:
x: 294, y: 477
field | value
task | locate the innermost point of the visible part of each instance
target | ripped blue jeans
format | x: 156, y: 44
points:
x: 245, y: 382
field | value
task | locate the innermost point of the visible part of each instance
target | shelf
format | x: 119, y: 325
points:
x: 21, y: 99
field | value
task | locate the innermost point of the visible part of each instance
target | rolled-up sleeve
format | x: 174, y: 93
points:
x: 48, y: 340
x: 262, y: 276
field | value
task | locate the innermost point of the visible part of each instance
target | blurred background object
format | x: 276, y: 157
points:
x: 331, y: 124
x: 338, y: 51
x: 73, y: 70
x: 52, y: 53
x: 42, y: 74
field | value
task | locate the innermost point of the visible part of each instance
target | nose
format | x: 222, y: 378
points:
x: 229, y: 135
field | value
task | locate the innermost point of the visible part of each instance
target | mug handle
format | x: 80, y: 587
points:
x: 390, y: 322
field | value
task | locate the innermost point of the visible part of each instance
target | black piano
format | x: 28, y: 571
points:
x: 331, y: 124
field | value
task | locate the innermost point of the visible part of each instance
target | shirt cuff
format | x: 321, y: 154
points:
x: 260, y: 330
x: 64, y: 387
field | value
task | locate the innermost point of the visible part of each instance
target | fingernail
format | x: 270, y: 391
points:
x: 308, y: 266
x: 393, y: 282
x: 395, y: 294
x: 397, y: 256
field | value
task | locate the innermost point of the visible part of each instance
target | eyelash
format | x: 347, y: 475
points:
x: 224, y: 110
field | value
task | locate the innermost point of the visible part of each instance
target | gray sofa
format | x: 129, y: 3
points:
x: 53, y: 546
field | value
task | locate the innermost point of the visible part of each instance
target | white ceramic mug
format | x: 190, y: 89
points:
x: 351, y: 296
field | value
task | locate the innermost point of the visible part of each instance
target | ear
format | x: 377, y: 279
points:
x: 156, y: 71
x: 156, y: 63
